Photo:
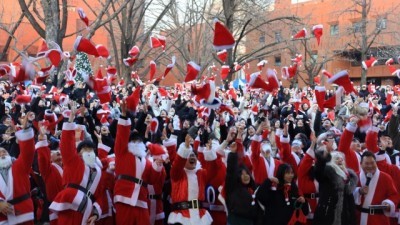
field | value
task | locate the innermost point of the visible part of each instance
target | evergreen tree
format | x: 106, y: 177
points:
x: 82, y: 66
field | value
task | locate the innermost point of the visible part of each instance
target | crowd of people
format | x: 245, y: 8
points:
x: 245, y: 156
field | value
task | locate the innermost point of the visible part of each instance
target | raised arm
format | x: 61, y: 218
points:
x: 27, y: 147
x: 123, y: 131
x: 184, y: 150
x: 285, y: 152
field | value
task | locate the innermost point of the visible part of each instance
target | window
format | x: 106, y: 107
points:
x: 334, y: 29
x: 278, y: 60
x: 357, y: 27
x: 261, y: 39
x: 381, y: 23
x: 278, y: 36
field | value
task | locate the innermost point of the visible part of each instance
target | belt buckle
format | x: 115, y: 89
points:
x: 371, y: 211
x: 89, y: 194
x: 195, y: 203
x: 140, y: 182
x: 312, y: 195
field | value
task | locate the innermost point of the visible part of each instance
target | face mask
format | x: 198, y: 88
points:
x: 89, y: 158
x: 334, y: 146
x: 57, y: 110
x: 266, y: 147
x: 171, y: 114
x: 5, y: 162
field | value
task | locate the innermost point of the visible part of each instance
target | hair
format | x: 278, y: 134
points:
x: 251, y: 184
x: 134, y: 136
x: 367, y: 154
x: 86, y: 144
x: 280, y: 174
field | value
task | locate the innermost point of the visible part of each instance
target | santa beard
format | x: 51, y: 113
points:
x: 89, y: 158
x: 5, y: 162
x: 137, y: 148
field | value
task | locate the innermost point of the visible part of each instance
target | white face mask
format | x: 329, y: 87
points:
x: 266, y: 147
x: 89, y: 158
x: 171, y: 114
x: 334, y: 146
x: 5, y: 162
x: 57, y: 110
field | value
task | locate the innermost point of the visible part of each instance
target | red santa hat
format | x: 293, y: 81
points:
x: 371, y: 88
x: 261, y: 64
x: 388, y: 116
x: 169, y: 66
x: 157, y: 151
x: 50, y: 116
x: 320, y: 97
x: 192, y: 71
x: 222, y: 55
x: 317, y: 80
x: 104, y: 121
x: 342, y: 79
x: 272, y: 79
x: 366, y: 64
x: 389, y: 62
x: 318, y: 30
x: 364, y: 123
x: 389, y: 96
x: 5, y: 69
x: 335, y: 100
x: 223, y: 39
x: 237, y: 66
x: 54, y: 56
x: 104, y: 111
x: 83, y: 16
x: 289, y: 72
x: 23, y: 99
x: 20, y: 73
x: 301, y: 34
x: 134, y: 51
x: 155, y: 42
x: 232, y: 93
x: 394, y: 71
x: 102, y: 51
x: 206, y: 94
x: 111, y: 71
x: 129, y: 62
x: 162, y: 39
x: 153, y: 69
x: 163, y: 92
x: 43, y: 49
x: 61, y: 99
x: 154, y: 125
x: 85, y: 45
x: 255, y: 109
x: 133, y: 100
x: 53, y: 90
x: 224, y: 108
x: 225, y: 72
x: 257, y: 82
x: 298, y: 59
x: 327, y: 74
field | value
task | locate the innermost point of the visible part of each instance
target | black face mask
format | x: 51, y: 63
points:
x: 389, y: 150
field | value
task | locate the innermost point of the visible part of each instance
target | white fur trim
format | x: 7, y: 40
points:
x: 69, y: 126
x: 77, y: 41
x: 137, y: 149
x: 124, y: 122
x: 374, y: 129
x: 98, y: 208
x: 210, y: 155
x: 253, y: 78
x: 318, y: 26
x: 285, y: 139
x: 104, y: 147
x: 320, y: 88
x: 194, y: 65
x: 391, y: 213
x: 183, y: 151
x: 380, y: 157
x: 351, y: 127
x: 311, y: 153
x: 24, y: 135
x: 41, y: 144
x: 257, y: 138
x: 169, y: 142
x: 342, y: 73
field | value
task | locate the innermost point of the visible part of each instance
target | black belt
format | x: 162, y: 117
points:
x: 156, y: 197
x: 370, y: 211
x: 84, y: 190
x: 311, y: 195
x: 194, y: 204
x: 19, y: 199
x: 132, y: 179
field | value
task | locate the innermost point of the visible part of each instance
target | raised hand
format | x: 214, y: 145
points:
x: 123, y: 108
x: 42, y: 133
x: 98, y: 136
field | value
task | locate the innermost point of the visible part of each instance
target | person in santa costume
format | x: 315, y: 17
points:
x: 133, y: 174
x: 264, y: 164
x: 82, y: 199
x: 190, y: 179
x: 376, y: 197
x: 50, y: 171
x: 16, y: 206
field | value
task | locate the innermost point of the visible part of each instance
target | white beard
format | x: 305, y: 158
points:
x: 5, y: 162
x: 89, y: 158
x: 137, y: 149
x: 266, y: 147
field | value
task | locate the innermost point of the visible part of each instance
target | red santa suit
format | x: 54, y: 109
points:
x: 16, y: 190
x: 76, y: 177
x: 262, y: 169
x: 133, y: 173
x: 352, y: 159
x: 156, y: 209
x: 308, y: 186
x: 287, y: 155
x: 381, y: 190
x: 214, y: 205
x: 191, y: 185
x: 51, y: 174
